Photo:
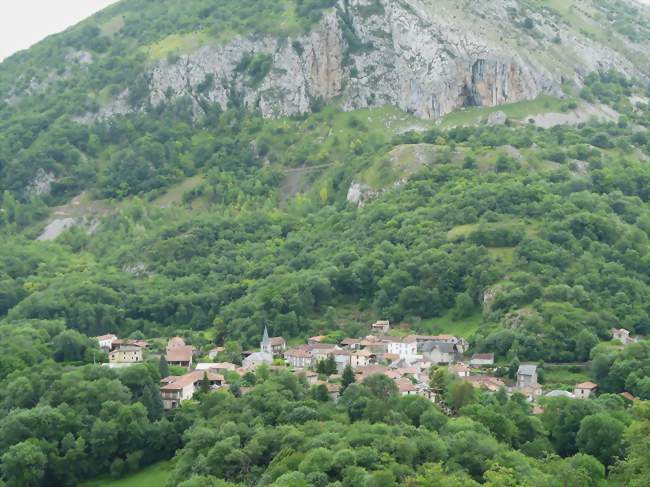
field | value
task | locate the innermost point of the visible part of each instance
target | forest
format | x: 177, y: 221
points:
x: 532, y: 243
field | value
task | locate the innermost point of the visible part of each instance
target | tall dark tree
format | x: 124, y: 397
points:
x: 347, y: 378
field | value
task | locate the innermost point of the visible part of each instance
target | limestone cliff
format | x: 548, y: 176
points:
x: 428, y: 57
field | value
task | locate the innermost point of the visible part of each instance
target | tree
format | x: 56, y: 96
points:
x: 204, y: 385
x: 24, y: 464
x: 601, y: 436
x: 461, y: 393
x: 163, y: 367
x: 380, y: 386
x: 463, y: 307
x: 347, y: 378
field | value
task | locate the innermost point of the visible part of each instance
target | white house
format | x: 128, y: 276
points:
x: 526, y: 376
x: 622, y: 335
x: 405, y: 347
x: 584, y: 390
x: 106, y: 341
x: 175, y: 390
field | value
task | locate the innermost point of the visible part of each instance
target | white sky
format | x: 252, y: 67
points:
x: 25, y: 22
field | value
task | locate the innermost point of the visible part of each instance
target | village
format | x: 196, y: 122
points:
x: 407, y: 360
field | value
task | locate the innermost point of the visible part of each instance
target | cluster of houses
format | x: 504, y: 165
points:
x: 406, y: 360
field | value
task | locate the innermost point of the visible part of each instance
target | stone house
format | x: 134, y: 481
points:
x: 440, y: 353
x: 256, y: 359
x: 125, y: 356
x: 360, y: 358
x: 584, y: 390
x: 382, y: 327
x: 298, y: 358
x: 526, y: 375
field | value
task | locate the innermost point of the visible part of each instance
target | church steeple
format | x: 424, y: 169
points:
x: 266, y: 343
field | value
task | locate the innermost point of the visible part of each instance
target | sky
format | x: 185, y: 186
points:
x: 25, y: 22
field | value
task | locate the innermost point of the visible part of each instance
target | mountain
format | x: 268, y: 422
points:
x: 209, y: 169
x: 428, y: 58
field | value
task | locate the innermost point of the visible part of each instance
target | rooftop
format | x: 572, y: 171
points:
x: 527, y: 369
x: 587, y: 385
x: 179, y: 353
x: 175, y: 383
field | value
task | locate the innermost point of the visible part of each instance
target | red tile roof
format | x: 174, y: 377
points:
x: 179, y: 354
x: 586, y: 385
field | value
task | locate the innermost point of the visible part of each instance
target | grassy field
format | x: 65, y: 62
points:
x: 174, y: 194
x: 177, y: 44
x: 446, y: 324
x: 563, y: 377
x: 516, y: 111
x: 153, y: 476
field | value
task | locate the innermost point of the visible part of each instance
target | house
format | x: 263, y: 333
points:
x: 351, y: 343
x: 316, y: 339
x: 440, y: 353
x: 406, y: 387
x: 133, y: 343
x: 526, y: 375
x: 460, y: 343
x: 106, y: 341
x: 459, y: 369
x: 212, y: 354
x: 311, y: 376
x: 584, y: 390
x: 125, y: 356
x: 405, y: 347
x: 488, y: 382
x: 482, y: 359
x: 216, y: 366
x: 532, y: 391
x: 320, y: 351
x: 298, y: 358
x: 342, y: 359
x: 175, y: 390
x: 622, y: 335
x: 382, y: 327
x: 273, y: 345
x: 334, y: 390
x: 360, y: 358
x: 256, y: 359
x: 180, y: 355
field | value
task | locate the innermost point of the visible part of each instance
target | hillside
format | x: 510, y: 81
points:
x: 208, y: 169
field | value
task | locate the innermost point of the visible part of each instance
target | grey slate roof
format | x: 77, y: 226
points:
x: 442, y: 347
x: 527, y: 369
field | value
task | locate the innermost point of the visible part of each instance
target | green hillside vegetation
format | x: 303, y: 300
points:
x: 531, y: 243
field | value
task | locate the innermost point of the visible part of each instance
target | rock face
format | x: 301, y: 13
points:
x: 427, y: 57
